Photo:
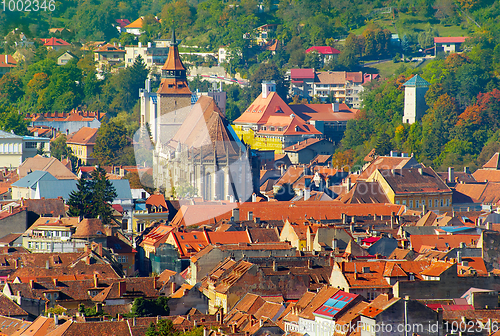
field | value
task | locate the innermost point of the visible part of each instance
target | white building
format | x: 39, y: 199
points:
x: 14, y: 149
x: 415, y: 106
x: 154, y: 53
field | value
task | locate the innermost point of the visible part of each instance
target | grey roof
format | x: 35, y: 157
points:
x: 62, y: 188
x: 417, y: 81
x: 9, y: 135
x: 122, y: 189
x: 493, y: 218
x: 419, y: 230
x: 384, y: 246
x: 54, y: 189
x: 30, y: 180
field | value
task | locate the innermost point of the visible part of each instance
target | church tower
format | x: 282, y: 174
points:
x: 415, y: 106
x: 173, y: 92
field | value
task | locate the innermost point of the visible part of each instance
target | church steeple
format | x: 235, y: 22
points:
x: 173, y: 72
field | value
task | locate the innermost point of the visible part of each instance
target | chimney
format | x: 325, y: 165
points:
x: 307, y: 194
x: 122, y: 287
x: 134, y: 322
x: 96, y: 280
x: 6, y: 59
x: 47, y: 264
x: 149, y: 44
x: 459, y: 257
x: 275, y: 267
x: 56, y: 319
x: 466, y: 170
x: 451, y: 174
x: 54, y: 280
x: 236, y: 214
x: 17, y: 263
x: 309, y: 264
x: 392, y: 220
x: 420, y: 171
x: 267, y: 88
x: 335, y: 107
x: 334, y: 243
x: 32, y: 284
x: 233, y: 328
x: 172, y: 288
x: 140, y: 45
x: 254, y: 197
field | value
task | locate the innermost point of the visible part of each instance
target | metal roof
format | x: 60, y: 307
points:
x: 417, y: 81
x: 30, y: 180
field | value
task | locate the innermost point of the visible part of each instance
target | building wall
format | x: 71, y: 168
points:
x: 415, y: 105
x: 15, y: 223
x: 68, y: 127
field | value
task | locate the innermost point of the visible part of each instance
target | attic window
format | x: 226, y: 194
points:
x: 182, y: 237
x: 195, y: 237
x: 280, y: 129
x: 272, y: 128
x: 180, y: 86
x: 297, y: 129
x: 170, y: 85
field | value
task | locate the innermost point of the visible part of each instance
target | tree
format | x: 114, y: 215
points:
x: 110, y: 143
x: 59, y: 149
x: 155, y: 307
x: 268, y: 71
x: 92, y: 197
x: 11, y: 88
x: 166, y: 328
x: 313, y: 60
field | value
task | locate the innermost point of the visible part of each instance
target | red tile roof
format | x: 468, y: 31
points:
x: 11, y: 62
x: 54, y: 42
x: 487, y: 175
x: 302, y: 73
x: 409, y: 181
x: 388, y: 162
x: 442, y: 242
x: 157, y: 200
x: 458, y: 39
x: 84, y: 136
x: 109, y: 48
x: 262, y: 108
x: 324, y: 112
x: 324, y: 50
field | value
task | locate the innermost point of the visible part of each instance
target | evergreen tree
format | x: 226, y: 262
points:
x: 92, y: 197
x: 80, y: 200
x: 138, y: 73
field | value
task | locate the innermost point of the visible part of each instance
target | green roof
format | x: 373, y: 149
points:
x: 417, y: 81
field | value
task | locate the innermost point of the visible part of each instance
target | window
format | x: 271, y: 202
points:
x: 411, y: 203
x: 417, y: 203
x: 436, y: 203
x: 442, y: 202
x: 404, y: 202
x: 397, y: 201
x: 30, y: 145
x: 447, y: 202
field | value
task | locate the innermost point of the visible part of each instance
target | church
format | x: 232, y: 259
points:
x: 195, y: 152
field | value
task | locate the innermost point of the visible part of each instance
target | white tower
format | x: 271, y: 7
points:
x: 415, y: 106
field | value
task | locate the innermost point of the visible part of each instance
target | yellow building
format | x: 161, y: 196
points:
x: 82, y: 144
x: 416, y: 188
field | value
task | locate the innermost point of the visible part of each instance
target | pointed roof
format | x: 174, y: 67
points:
x: 493, y: 163
x: 417, y: 81
x: 394, y: 270
x: 263, y: 108
x: 173, y: 61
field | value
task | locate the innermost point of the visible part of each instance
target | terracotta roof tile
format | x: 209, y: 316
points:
x: 388, y: 162
x: 84, y: 136
x: 51, y: 165
x: 442, y: 242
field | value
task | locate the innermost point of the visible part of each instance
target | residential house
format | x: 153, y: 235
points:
x: 55, y: 43
x: 393, y: 161
x: 15, y: 149
x: 305, y: 151
x: 60, y: 32
x: 26, y: 187
x: 121, y: 24
x: 372, y: 278
x: 124, y: 291
x: 336, y: 86
x: 135, y: 27
x: 448, y: 44
x: 65, y: 58
x: 153, y: 54
x: 51, y: 165
x: 230, y: 280
x: 13, y: 218
x: 124, y: 253
x: 326, y: 53
x: 205, y: 260
x: 109, y: 55
x: 396, y: 314
x: 82, y: 144
x: 156, y: 209
x: 67, y: 122
x: 414, y: 188
x: 7, y: 63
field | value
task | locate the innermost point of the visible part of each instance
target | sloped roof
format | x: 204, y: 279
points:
x: 302, y: 73
x: 408, y: 181
x: 51, y: 165
x: 30, y: 180
x: 365, y: 192
x: 442, y: 242
x: 10, y: 308
x: 456, y: 39
x: 304, y: 144
x: 53, y: 42
x: 324, y: 112
x: 262, y: 108
x: 136, y: 23
x: 318, y: 300
x: 84, y: 136
x: 157, y: 200
x: 11, y: 62
x: 108, y: 47
x: 388, y: 162
x: 288, y: 125
x: 106, y: 328
x: 493, y: 162
x: 487, y: 175
x: 55, y: 206
x: 378, y: 305
x: 10, y: 326
x: 324, y: 50
x: 416, y: 81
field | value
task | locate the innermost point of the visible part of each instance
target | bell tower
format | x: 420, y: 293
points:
x: 173, y: 92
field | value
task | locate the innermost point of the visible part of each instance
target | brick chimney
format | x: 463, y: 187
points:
x: 96, y: 280
x: 122, y: 287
